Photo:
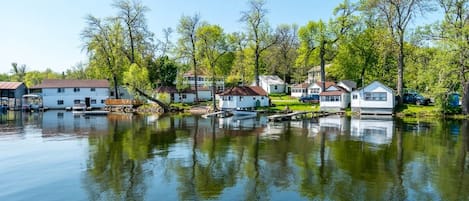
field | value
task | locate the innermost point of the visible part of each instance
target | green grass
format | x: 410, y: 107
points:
x: 281, y: 103
x: 409, y: 110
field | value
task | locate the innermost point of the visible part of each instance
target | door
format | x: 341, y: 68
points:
x: 88, y: 102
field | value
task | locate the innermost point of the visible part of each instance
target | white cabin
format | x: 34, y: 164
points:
x: 334, y: 99
x: 272, y: 84
x: 375, y: 98
x: 60, y: 94
x: 243, y: 97
x: 316, y: 87
x: 299, y: 90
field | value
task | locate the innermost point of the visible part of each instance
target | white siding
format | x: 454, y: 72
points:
x: 335, y: 105
x: 299, y: 92
x: 314, y: 89
x: 373, y: 106
x: 51, y: 97
x: 225, y: 102
x: 184, y: 98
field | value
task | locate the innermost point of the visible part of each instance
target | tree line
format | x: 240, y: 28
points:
x: 363, y: 40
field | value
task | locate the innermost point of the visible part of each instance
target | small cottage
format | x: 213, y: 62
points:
x: 271, y: 84
x: 299, y: 90
x: 375, y: 98
x: 11, y: 94
x: 334, y: 99
x: 243, y: 97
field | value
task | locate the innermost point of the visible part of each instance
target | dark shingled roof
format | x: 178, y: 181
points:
x: 340, y: 91
x: 10, y: 85
x: 72, y: 84
x: 244, y: 91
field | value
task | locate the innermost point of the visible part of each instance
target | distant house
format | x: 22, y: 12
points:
x: 183, y: 96
x: 299, y: 90
x: 348, y: 85
x: 271, y: 84
x: 314, y: 74
x: 334, y: 99
x: 203, y: 81
x: 243, y: 97
x: 60, y: 94
x: 316, y: 88
x: 375, y: 98
x: 11, y: 94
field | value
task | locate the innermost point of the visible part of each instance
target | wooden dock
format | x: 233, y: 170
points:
x: 295, y: 115
x: 217, y: 114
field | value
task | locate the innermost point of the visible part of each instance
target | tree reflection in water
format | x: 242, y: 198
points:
x: 205, y: 160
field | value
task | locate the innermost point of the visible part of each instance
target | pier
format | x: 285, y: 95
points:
x: 296, y: 115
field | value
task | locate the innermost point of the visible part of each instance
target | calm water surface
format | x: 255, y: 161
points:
x: 57, y: 155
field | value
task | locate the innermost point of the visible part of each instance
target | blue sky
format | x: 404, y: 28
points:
x: 46, y: 33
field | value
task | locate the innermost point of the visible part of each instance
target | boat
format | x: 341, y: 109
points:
x: 32, y: 102
x: 79, y: 107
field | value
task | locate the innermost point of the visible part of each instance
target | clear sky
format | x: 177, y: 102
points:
x: 46, y: 33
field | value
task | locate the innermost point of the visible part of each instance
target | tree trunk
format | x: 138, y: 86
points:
x: 465, y: 98
x: 257, y: 64
x: 322, y: 53
x: 116, y: 91
x: 400, y: 69
x: 194, y: 63
x: 214, y: 89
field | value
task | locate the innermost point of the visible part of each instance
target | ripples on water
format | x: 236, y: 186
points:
x: 60, y: 156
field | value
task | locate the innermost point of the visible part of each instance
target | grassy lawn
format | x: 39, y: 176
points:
x: 281, y: 102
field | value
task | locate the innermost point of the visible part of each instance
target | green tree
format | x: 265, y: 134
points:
x: 397, y: 15
x: 163, y: 71
x: 213, y: 45
x: 187, y: 44
x: 239, y: 72
x: 259, y: 32
x: 18, y: 72
x: 284, y: 51
x: 454, y: 34
x: 103, y: 40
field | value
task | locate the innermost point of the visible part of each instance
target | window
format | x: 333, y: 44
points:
x: 330, y: 98
x: 184, y: 96
x: 76, y: 101
x: 93, y: 89
x: 60, y: 90
x: 93, y: 101
x: 354, y: 97
x: 275, y: 87
x: 76, y: 89
x: 240, y: 98
x: 229, y: 98
x: 103, y: 101
x: 376, y: 96
x: 112, y: 93
x: 60, y: 102
x: 315, y: 90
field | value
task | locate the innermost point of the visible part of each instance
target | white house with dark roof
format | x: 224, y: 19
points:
x: 11, y: 94
x: 334, y: 99
x: 60, y: 94
x: 314, y: 74
x: 316, y: 88
x: 375, y: 98
x: 299, y: 90
x: 348, y: 85
x: 243, y: 97
x: 203, y: 81
x: 271, y: 84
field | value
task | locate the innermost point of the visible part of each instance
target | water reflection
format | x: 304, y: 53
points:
x: 180, y: 157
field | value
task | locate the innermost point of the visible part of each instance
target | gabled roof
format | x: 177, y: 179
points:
x: 328, y: 84
x: 340, y: 90
x: 349, y: 83
x: 10, y: 85
x: 244, y: 91
x: 72, y: 84
x: 271, y: 79
x: 301, y: 85
x: 379, y: 83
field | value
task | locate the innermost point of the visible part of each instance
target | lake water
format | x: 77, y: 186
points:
x: 57, y: 155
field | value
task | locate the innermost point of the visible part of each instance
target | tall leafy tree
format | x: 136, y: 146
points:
x: 397, y: 14
x: 212, y: 44
x: 187, y: 49
x: 259, y: 32
x: 103, y: 40
x: 240, y: 43
x: 454, y: 33
x: 137, y: 39
x: 283, y: 54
